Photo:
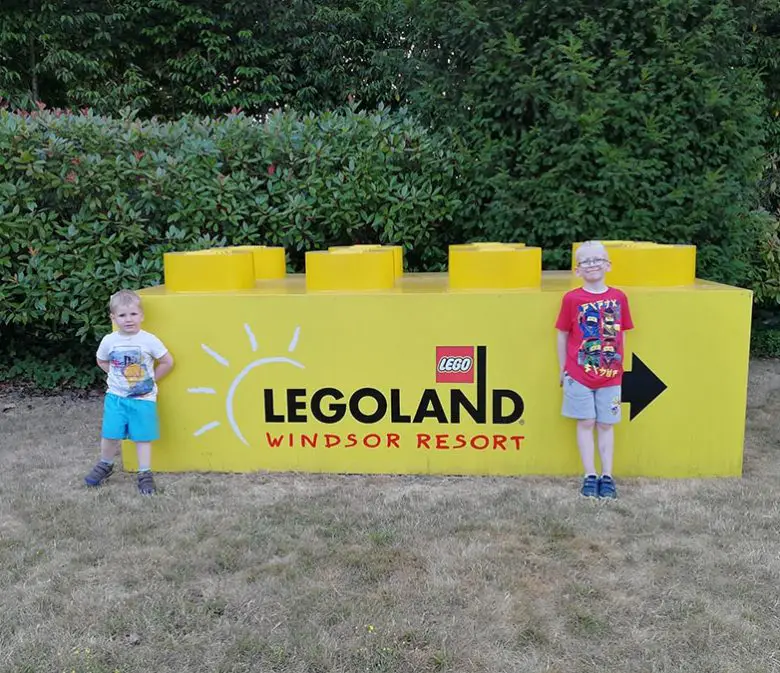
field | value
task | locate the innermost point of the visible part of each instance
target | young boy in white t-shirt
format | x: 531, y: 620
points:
x: 130, y: 409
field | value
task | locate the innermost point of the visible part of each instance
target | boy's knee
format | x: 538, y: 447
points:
x: 604, y: 427
x: 587, y: 424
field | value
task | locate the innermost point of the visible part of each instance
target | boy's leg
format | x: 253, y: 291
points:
x: 104, y: 468
x: 608, y: 413
x: 606, y: 485
x: 144, y: 429
x: 144, y: 450
x: 606, y: 433
x: 145, y: 478
x: 586, y: 445
x: 109, y: 448
x: 114, y: 428
x: 579, y: 403
x: 590, y: 483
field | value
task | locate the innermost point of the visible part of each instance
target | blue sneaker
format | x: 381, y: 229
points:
x: 607, y: 487
x: 98, y: 474
x: 590, y: 486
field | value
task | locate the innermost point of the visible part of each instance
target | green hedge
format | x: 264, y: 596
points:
x: 627, y: 119
x: 89, y: 204
x: 535, y: 121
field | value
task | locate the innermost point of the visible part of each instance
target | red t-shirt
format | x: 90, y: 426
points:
x: 595, y: 323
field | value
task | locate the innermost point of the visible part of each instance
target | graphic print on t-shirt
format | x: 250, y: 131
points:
x: 599, y: 323
x: 127, y: 362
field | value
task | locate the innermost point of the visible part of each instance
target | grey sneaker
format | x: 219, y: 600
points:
x: 146, y: 483
x: 99, y: 474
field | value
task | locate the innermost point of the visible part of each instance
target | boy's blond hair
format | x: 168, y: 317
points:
x: 123, y: 298
x: 591, y: 245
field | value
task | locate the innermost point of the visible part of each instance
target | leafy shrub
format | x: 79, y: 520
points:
x: 627, y: 119
x: 765, y: 270
x: 765, y: 342
x: 623, y: 118
x: 28, y: 358
x: 763, y: 57
x: 89, y: 204
x: 541, y: 122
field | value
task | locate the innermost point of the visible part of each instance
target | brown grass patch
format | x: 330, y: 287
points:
x: 325, y: 573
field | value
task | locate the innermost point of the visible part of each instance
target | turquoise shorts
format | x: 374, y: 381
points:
x: 128, y: 418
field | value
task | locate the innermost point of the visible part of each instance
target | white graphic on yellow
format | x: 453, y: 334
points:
x: 231, y: 393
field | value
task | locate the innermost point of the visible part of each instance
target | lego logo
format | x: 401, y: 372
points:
x: 455, y: 364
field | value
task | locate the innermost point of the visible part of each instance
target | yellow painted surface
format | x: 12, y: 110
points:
x: 398, y: 253
x: 280, y: 349
x: 351, y: 268
x: 644, y: 264
x: 269, y: 262
x: 480, y: 266
x: 209, y: 271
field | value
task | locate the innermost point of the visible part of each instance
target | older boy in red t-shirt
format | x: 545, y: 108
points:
x: 590, y: 326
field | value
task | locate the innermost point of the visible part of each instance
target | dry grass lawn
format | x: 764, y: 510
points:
x: 318, y: 573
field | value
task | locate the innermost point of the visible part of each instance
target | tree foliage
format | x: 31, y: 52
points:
x: 620, y: 119
x: 543, y: 122
x: 171, y: 57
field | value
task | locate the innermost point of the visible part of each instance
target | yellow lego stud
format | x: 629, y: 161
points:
x: 398, y: 253
x: 642, y: 263
x: 477, y: 266
x: 351, y: 268
x: 270, y: 262
x: 216, y: 270
x: 488, y: 245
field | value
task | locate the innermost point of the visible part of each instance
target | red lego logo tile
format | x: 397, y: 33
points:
x: 455, y: 364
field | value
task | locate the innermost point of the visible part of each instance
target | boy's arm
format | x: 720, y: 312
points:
x: 627, y: 321
x: 164, y: 365
x: 103, y: 354
x: 563, y: 338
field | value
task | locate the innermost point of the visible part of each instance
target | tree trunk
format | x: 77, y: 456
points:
x: 33, y: 63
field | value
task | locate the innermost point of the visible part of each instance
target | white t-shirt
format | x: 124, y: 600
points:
x: 131, y: 363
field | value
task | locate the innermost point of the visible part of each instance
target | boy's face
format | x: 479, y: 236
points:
x: 592, y: 264
x: 128, y: 318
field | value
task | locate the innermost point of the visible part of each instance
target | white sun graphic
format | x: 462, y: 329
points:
x: 231, y: 393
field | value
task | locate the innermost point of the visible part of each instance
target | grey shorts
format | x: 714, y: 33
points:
x: 582, y: 403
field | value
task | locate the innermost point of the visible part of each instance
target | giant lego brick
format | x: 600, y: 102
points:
x: 358, y: 367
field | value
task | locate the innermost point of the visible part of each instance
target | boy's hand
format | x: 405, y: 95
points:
x: 560, y: 378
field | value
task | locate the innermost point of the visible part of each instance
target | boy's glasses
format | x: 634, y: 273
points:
x: 591, y: 262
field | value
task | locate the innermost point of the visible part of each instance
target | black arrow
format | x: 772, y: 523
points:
x: 640, y: 387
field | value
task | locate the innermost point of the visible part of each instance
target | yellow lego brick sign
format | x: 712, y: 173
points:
x: 424, y: 378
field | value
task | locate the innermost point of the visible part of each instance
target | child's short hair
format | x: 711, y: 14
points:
x: 123, y: 298
x: 591, y: 245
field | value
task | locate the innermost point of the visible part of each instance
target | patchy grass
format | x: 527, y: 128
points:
x: 322, y: 573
